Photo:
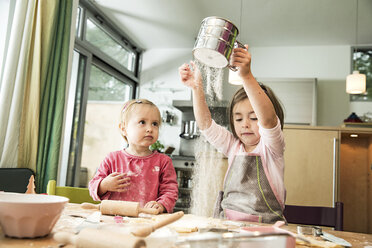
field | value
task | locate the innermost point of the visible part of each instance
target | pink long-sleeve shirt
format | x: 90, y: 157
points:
x: 152, y: 178
x: 270, y: 147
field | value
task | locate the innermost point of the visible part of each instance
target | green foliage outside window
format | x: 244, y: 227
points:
x: 362, y: 61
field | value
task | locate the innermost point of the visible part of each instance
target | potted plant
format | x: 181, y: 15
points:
x: 157, y: 146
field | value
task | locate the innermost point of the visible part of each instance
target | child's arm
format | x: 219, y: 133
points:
x: 96, y: 189
x: 192, y: 78
x: 261, y: 103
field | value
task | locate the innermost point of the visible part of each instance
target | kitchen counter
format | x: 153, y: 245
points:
x: 74, y: 215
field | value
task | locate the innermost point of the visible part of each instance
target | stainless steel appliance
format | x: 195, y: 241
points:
x: 189, y: 129
x: 184, y: 166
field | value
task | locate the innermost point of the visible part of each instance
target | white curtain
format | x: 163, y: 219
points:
x: 13, y: 81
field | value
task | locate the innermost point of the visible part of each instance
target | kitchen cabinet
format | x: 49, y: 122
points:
x: 310, y: 166
x: 326, y: 164
x: 356, y: 180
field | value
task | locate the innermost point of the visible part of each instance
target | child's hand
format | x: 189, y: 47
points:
x: 190, y: 78
x: 242, y: 58
x: 156, y: 205
x: 116, y: 182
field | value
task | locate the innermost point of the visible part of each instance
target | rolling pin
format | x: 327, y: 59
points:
x: 99, y: 238
x: 144, y: 231
x: 124, y: 208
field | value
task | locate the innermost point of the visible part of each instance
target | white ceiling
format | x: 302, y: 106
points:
x: 175, y: 23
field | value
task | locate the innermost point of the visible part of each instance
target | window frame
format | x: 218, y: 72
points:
x: 104, y: 62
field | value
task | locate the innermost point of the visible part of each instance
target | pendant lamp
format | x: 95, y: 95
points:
x: 356, y: 82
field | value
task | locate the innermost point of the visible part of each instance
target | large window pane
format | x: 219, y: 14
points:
x: 101, y: 128
x: 96, y: 36
x: 104, y: 87
x: 104, y: 75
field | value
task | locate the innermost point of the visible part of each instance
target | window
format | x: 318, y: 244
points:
x: 100, y: 39
x: 104, y: 87
x: 362, y: 61
x: 105, y: 74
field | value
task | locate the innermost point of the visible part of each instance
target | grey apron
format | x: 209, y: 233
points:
x: 247, y: 194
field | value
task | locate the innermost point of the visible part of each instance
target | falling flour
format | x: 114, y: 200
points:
x: 208, y: 175
x: 212, y: 81
x: 210, y: 166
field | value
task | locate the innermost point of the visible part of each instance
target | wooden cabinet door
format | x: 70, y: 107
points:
x: 310, y: 162
x: 355, y: 183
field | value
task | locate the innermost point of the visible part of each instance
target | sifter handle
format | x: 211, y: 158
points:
x: 236, y: 45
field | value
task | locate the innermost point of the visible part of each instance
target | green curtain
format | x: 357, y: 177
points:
x: 52, y: 97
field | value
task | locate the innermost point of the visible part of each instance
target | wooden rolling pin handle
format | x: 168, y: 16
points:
x: 148, y: 210
x: 147, y: 230
x: 87, y: 205
x: 168, y: 219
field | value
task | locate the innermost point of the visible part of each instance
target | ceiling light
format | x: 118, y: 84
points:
x: 354, y: 135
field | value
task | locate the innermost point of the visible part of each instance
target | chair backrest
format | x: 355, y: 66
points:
x: 75, y: 194
x: 15, y: 179
x: 319, y: 216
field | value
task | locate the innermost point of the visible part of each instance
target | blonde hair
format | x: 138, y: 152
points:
x: 129, y: 107
x: 241, y: 95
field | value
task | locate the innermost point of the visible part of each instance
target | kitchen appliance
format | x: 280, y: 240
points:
x: 190, y: 130
x: 215, y: 42
x: 184, y: 166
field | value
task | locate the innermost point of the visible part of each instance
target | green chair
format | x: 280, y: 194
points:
x: 75, y: 194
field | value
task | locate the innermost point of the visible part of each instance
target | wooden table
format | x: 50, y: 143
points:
x: 73, y: 215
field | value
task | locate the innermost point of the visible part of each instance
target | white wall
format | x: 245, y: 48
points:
x: 329, y: 64
x: 160, y: 84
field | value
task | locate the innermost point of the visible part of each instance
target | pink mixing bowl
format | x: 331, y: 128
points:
x: 29, y: 215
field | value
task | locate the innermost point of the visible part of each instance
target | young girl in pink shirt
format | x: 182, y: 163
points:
x: 136, y: 173
x: 254, y: 182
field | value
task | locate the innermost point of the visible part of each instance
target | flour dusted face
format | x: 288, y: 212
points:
x: 246, y: 124
x: 142, y: 127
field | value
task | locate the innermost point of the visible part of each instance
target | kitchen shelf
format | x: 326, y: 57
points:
x: 357, y: 124
x: 187, y: 105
